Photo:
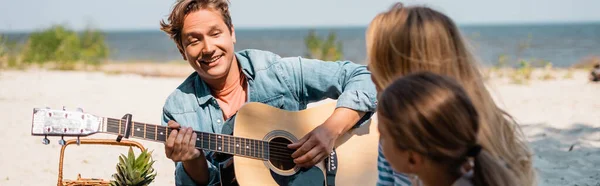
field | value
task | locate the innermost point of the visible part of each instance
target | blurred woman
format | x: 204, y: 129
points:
x: 404, y: 40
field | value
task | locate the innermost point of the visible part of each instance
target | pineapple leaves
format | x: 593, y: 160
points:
x: 134, y: 171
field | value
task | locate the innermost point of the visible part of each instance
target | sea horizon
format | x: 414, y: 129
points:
x: 562, y: 44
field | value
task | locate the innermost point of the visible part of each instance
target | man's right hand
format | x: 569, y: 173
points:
x: 181, y: 145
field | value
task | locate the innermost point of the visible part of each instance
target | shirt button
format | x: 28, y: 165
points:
x: 218, y: 121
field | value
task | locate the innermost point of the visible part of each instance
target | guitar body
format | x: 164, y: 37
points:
x: 356, y: 150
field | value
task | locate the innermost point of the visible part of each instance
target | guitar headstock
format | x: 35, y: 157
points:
x: 53, y: 122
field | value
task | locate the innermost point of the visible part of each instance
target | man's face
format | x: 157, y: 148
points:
x: 207, y: 43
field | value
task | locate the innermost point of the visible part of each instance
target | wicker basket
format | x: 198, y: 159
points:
x: 89, y: 181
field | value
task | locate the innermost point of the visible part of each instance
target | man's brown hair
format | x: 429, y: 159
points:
x: 182, y: 8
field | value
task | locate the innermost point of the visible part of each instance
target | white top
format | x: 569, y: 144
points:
x: 464, y: 180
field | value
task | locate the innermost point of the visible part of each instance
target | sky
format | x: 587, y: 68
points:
x: 20, y: 15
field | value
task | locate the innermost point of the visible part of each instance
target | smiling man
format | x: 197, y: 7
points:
x: 224, y: 80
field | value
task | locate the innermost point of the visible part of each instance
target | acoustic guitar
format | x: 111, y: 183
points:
x: 258, y: 146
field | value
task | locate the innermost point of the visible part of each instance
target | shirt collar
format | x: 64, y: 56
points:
x: 202, y: 89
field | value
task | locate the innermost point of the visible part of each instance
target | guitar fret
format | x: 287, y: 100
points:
x: 228, y: 144
x: 203, y: 141
x: 201, y: 138
x: 207, y: 142
x: 223, y: 144
x: 136, y: 130
x: 261, y: 150
x: 119, y: 127
x: 144, y: 130
x: 220, y: 148
x: 265, y: 147
x: 238, y: 145
x: 133, y: 125
x: 246, y: 147
x: 156, y: 133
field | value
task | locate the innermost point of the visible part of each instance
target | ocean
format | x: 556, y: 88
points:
x: 560, y: 44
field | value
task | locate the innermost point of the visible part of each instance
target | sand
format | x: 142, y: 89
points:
x: 561, y: 119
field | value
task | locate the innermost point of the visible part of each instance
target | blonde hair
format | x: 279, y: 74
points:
x: 432, y: 115
x: 404, y: 40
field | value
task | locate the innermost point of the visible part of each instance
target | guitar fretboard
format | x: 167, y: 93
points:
x: 228, y: 144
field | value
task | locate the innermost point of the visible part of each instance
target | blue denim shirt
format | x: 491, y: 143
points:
x: 286, y: 83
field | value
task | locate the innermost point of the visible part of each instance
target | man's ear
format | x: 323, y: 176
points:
x: 233, y: 34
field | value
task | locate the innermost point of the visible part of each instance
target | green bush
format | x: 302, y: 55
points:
x: 8, y: 53
x: 2, y: 46
x: 2, y: 53
x: 65, y: 48
x: 548, y: 73
x: 93, y: 47
x: 523, y: 74
x: 329, y: 49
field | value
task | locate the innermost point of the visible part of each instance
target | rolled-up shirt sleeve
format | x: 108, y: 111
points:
x: 348, y: 82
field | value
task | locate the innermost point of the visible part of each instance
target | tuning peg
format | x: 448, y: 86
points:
x: 48, y: 108
x: 78, y: 141
x: 79, y: 109
x: 64, y: 108
x: 62, y: 141
x: 45, y: 141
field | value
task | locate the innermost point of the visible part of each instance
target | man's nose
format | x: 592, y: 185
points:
x: 208, y: 47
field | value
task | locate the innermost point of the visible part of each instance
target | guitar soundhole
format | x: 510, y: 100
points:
x: 280, y: 155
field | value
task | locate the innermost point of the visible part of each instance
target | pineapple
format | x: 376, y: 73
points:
x: 132, y: 171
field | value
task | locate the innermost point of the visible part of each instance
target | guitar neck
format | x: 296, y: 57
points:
x: 227, y: 144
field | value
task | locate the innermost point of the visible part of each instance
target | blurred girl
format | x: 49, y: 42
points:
x: 429, y: 127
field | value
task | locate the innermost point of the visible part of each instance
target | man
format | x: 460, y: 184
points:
x: 595, y: 73
x: 224, y: 80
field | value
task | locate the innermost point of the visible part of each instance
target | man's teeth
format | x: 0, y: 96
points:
x: 212, y: 60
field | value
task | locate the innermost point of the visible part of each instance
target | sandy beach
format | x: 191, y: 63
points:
x: 561, y: 119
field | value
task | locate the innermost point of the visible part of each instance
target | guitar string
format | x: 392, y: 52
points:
x: 286, y: 152
x: 253, y: 142
x: 280, y: 146
x: 273, y: 155
x: 277, y: 149
x: 254, y: 152
x: 152, y: 132
x: 163, y: 127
